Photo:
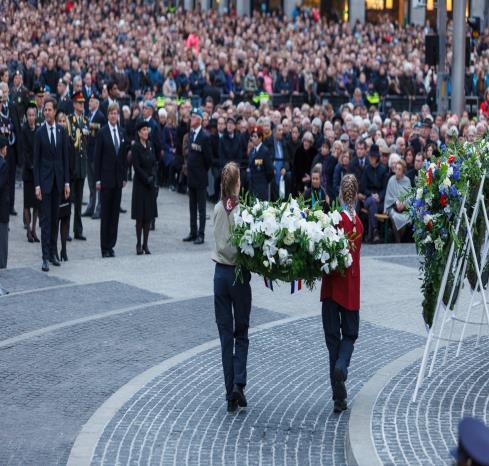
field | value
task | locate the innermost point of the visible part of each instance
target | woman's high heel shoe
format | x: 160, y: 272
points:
x: 34, y: 237
x: 146, y: 250
x: 30, y: 238
x: 139, y: 250
x: 64, y: 256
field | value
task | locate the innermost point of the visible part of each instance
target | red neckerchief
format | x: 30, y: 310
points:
x: 230, y: 203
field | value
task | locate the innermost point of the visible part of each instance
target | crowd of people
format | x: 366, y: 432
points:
x: 167, y: 112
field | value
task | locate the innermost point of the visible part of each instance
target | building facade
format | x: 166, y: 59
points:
x: 402, y: 11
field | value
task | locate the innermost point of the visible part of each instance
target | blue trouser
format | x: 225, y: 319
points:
x: 373, y: 208
x: 232, y: 295
x: 341, y: 330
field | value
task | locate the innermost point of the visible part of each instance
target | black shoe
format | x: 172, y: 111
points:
x: 189, y: 238
x: 69, y: 238
x: 96, y: 217
x: 13, y: 212
x: 239, y: 396
x: 340, y: 406
x: 36, y: 239
x: 64, y: 256
x: 339, y: 391
x: 111, y: 253
x: 199, y: 240
x: 30, y: 238
x: 80, y: 237
x: 232, y: 406
x: 105, y: 254
x: 87, y: 213
x: 146, y: 250
x: 139, y: 250
x: 54, y: 260
x: 45, y: 266
x: 122, y: 211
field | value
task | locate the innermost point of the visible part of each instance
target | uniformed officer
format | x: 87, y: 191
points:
x: 19, y: 98
x: 199, y: 160
x: 79, y: 136
x: 260, y: 168
x: 7, y: 130
x: 473, y: 443
x: 39, y: 93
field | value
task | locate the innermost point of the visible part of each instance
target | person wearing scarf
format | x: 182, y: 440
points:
x: 397, y: 186
x: 232, y: 296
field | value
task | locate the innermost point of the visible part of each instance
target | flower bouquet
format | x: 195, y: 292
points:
x: 435, y: 204
x: 288, y: 240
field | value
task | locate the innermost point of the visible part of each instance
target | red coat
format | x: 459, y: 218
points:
x: 344, y: 289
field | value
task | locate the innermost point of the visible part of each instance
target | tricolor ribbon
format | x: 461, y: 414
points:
x: 296, y: 285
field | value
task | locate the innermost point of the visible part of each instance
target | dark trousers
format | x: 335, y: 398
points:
x: 341, y: 331
x: 49, y: 221
x: 197, y: 199
x: 12, y: 167
x: 232, y: 304
x: 91, y: 186
x: 110, y: 199
x: 77, y: 202
x: 3, y: 244
x: 373, y: 208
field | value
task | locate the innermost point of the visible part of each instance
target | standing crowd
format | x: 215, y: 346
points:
x: 96, y: 103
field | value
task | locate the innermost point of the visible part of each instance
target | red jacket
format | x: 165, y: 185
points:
x: 344, y: 289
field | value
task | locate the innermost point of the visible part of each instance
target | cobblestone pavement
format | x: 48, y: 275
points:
x: 51, y: 384
x: 407, y: 433
x: 180, y: 417
x: 72, y: 339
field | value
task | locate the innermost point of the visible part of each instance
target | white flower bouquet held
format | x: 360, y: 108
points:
x: 288, y: 240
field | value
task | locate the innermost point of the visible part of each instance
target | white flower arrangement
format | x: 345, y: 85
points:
x: 289, y: 240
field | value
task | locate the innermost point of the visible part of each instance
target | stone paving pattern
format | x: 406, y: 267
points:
x: 180, y: 417
x: 50, y: 385
x: 407, y: 433
x: 26, y: 312
x: 25, y: 279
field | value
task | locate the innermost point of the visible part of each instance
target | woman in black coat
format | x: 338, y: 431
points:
x: 30, y: 200
x: 143, y: 208
x: 64, y: 213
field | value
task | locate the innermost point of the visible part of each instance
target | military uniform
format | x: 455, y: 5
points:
x: 7, y: 130
x: 79, y: 136
x: 39, y: 92
x: 19, y: 98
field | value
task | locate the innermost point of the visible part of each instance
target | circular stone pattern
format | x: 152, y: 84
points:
x: 180, y: 416
x: 407, y: 433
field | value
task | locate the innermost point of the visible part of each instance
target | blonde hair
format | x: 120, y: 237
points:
x: 229, y: 179
x: 348, y: 193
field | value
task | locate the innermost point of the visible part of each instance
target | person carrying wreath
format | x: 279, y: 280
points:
x: 340, y: 297
x: 232, y: 296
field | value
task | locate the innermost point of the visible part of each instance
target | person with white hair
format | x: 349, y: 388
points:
x: 393, y: 159
x: 394, y: 206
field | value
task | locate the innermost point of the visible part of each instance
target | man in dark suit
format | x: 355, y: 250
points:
x: 110, y: 163
x: 96, y: 120
x: 4, y: 203
x: 360, y: 161
x: 51, y: 178
x: 65, y: 104
x: 113, y: 97
x: 88, y: 90
x: 199, y: 160
x: 260, y: 168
